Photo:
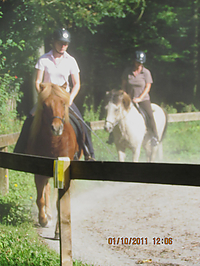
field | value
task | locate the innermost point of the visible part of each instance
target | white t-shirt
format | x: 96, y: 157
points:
x: 57, y: 72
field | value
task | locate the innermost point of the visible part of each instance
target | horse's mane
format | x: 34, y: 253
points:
x: 126, y: 101
x: 119, y: 96
x: 47, y: 90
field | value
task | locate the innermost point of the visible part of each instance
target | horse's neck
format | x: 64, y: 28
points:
x: 132, y: 110
x: 132, y: 115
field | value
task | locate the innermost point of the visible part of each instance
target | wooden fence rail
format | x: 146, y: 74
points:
x: 6, y: 140
x: 174, y: 174
x: 179, y: 117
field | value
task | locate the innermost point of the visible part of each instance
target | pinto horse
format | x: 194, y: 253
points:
x: 51, y: 135
x: 129, y: 127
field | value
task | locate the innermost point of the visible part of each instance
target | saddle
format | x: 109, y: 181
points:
x: 144, y: 115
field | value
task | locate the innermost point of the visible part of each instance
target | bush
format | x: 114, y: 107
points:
x: 9, y: 86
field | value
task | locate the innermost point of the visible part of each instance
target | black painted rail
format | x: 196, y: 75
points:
x: 156, y: 173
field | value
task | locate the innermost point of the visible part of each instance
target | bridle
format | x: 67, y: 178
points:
x: 117, y: 122
x: 62, y: 119
x: 113, y: 124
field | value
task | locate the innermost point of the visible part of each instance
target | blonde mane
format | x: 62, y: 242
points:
x: 126, y: 101
x: 47, y: 89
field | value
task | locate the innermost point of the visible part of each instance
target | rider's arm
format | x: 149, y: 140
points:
x: 38, y: 80
x: 76, y: 87
x: 144, y: 93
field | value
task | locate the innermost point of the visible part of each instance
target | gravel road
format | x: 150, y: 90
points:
x: 121, y: 212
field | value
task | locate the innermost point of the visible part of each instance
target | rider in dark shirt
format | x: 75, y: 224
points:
x: 136, y: 81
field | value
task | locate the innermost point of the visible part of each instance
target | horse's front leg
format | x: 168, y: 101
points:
x: 41, y: 182
x: 57, y: 222
x: 121, y: 155
x: 136, y: 153
x: 47, y: 194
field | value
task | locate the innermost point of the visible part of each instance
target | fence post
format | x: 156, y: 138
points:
x: 4, y: 181
x: 62, y: 182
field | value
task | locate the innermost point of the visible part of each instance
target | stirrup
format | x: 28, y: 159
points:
x: 89, y: 159
x: 87, y: 154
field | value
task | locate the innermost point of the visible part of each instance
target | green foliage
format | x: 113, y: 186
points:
x: 89, y: 112
x: 16, y: 206
x: 10, y: 95
x: 187, y: 108
x: 169, y: 108
x: 21, y: 246
x: 9, y: 85
x: 164, y: 29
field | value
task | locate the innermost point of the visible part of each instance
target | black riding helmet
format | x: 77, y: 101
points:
x: 61, y: 35
x: 140, y: 57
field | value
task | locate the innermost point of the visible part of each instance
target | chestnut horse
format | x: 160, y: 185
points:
x: 51, y: 135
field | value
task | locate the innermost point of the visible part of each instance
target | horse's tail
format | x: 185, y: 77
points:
x: 166, y: 124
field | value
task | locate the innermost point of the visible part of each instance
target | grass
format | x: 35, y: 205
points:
x: 180, y: 144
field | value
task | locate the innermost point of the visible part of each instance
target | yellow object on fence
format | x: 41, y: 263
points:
x: 61, y: 175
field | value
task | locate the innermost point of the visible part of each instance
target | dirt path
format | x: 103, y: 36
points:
x: 100, y: 210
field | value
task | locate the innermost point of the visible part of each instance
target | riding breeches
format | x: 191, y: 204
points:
x: 146, y: 105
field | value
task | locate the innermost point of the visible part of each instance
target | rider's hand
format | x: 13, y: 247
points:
x: 137, y: 100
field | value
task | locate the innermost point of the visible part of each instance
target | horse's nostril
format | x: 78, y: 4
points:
x: 57, y: 130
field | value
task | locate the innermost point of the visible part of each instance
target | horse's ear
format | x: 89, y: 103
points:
x: 64, y: 86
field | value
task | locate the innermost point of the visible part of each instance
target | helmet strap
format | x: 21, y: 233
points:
x: 53, y: 46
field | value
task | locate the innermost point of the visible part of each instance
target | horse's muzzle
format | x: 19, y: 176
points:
x: 108, y: 126
x: 57, y: 126
x: 57, y: 130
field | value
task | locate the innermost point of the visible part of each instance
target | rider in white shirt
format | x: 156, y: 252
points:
x: 56, y: 67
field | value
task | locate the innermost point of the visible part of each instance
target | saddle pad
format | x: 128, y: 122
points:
x: 76, y: 124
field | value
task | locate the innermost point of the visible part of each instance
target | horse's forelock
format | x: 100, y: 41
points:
x: 118, y: 97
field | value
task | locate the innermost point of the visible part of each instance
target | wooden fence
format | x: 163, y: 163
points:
x: 173, y: 174
x: 179, y: 117
x: 157, y: 173
x: 6, y: 140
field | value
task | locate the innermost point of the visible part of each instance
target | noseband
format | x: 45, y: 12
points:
x: 113, y: 124
x: 62, y: 119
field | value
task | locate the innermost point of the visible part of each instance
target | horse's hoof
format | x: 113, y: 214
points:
x: 57, y: 236
x: 43, y: 223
